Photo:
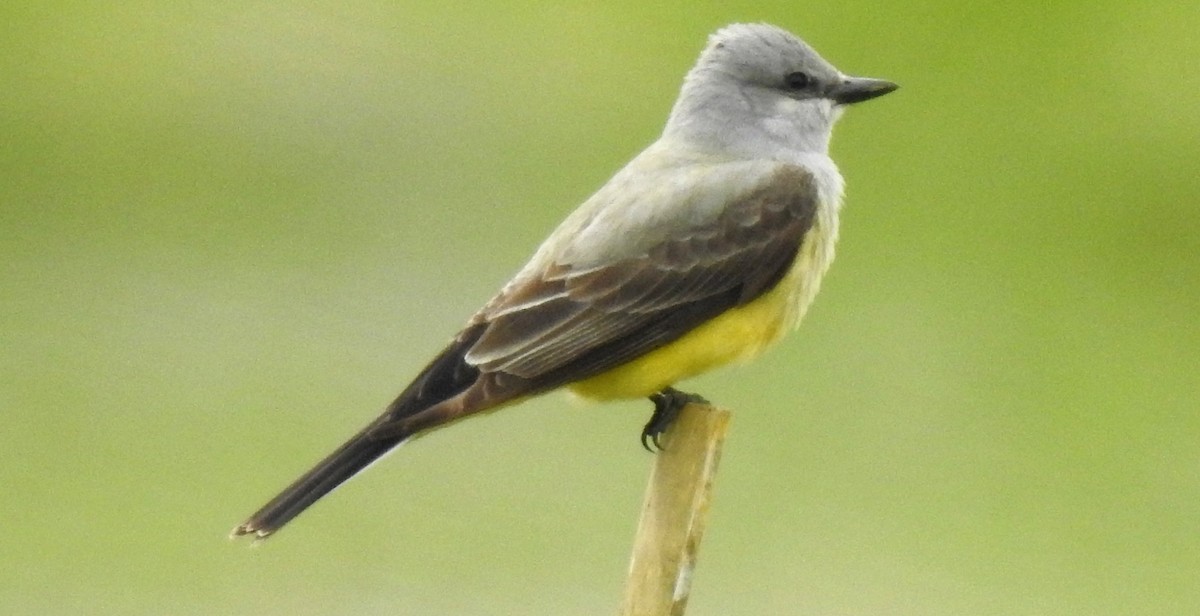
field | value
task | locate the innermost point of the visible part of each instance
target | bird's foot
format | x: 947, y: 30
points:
x: 667, y: 404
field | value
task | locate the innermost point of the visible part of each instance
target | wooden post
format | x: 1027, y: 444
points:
x: 674, y: 513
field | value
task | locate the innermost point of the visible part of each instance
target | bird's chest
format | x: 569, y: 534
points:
x: 812, y: 261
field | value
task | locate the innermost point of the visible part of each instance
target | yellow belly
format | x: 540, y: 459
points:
x: 739, y: 334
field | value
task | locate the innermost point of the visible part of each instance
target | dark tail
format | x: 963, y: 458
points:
x: 355, y: 455
x: 448, y: 388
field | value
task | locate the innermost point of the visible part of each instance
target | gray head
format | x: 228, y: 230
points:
x: 757, y: 88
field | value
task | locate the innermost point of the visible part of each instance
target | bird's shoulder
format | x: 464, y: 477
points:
x: 662, y: 207
x: 667, y: 192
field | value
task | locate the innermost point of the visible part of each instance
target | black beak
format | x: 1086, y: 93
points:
x: 858, y: 89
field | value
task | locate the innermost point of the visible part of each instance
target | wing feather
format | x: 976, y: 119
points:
x: 562, y: 324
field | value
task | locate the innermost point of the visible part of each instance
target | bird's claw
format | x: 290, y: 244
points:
x: 667, y: 404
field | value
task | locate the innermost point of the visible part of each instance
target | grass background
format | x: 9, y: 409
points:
x: 230, y: 231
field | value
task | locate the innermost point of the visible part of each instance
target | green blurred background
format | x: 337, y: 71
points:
x: 230, y: 231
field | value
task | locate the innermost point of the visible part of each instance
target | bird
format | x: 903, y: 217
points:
x: 702, y: 251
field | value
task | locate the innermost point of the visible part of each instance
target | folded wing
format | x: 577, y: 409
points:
x: 564, y: 324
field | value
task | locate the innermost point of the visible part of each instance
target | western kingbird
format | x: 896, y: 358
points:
x: 703, y: 250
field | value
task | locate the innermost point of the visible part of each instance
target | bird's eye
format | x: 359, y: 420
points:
x: 797, y: 80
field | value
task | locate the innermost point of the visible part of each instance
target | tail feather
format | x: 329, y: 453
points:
x: 348, y: 460
x: 432, y: 399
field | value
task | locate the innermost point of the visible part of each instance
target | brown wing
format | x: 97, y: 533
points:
x: 566, y: 324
